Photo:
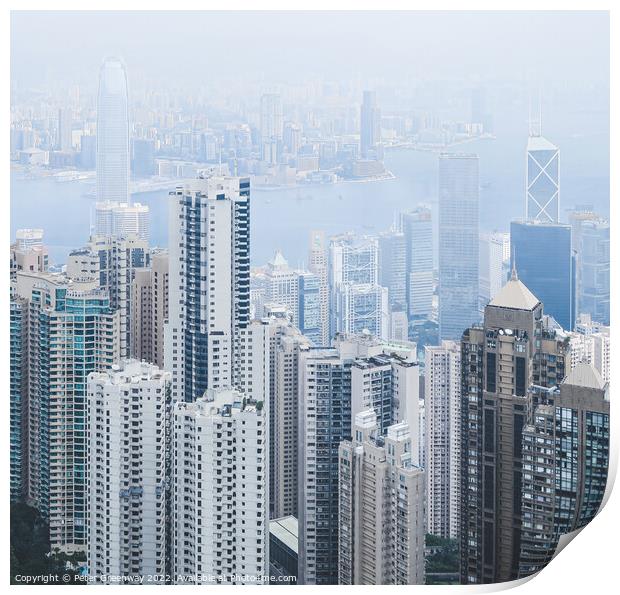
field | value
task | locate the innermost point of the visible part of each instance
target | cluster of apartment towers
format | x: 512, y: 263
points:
x: 170, y: 425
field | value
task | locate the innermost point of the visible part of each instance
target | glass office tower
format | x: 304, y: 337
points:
x: 543, y: 257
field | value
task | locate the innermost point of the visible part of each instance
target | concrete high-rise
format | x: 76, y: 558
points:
x: 149, y: 309
x: 442, y: 408
x: 219, y: 486
x: 112, y: 133
x: 65, y: 346
x: 28, y: 253
x: 381, y: 507
x: 113, y: 261
x: 330, y: 395
x: 565, y: 465
x: 458, y: 244
x: 516, y: 348
x: 209, y: 260
x: 318, y: 264
x: 126, y: 472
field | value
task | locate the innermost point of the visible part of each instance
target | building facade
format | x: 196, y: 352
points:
x: 126, y: 472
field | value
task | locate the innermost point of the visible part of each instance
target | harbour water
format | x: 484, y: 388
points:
x: 282, y: 218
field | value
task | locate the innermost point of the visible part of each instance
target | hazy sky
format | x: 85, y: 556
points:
x: 186, y: 46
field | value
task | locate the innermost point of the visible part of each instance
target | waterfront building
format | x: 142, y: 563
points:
x: 458, y: 244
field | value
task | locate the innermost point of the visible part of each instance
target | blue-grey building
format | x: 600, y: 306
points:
x: 459, y: 244
x: 309, y: 304
x: 543, y: 256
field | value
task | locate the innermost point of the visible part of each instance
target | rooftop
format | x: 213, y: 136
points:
x: 584, y: 374
x: 515, y: 295
x: 286, y: 529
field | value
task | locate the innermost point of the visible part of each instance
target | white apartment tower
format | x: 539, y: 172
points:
x: 442, y: 404
x: 209, y: 283
x: 220, y: 500
x: 126, y: 464
x: 381, y: 507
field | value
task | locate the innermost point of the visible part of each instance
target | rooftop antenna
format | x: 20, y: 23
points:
x: 513, y: 273
x: 535, y: 123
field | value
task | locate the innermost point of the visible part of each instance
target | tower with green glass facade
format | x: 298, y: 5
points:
x: 70, y: 332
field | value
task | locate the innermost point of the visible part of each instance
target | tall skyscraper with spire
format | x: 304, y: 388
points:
x: 112, y: 133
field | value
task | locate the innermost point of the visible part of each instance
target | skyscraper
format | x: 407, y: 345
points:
x: 113, y: 261
x: 65, y: 124
x: 209, y: 255
x: 149, y: 309
x: 370, y: 124
x: 318, y: 264
x: 516, y: 348
x: 442, y: 409
x: 544, y: 259
x: 126, y: 472
x: 458, y: 244
x: 357, y: 301
x: 271, y: 126
x: 417, y: 228
x: 565, y: 464
x: 591, y: 242
x: 331, y: 394
x: 393, y: 266
x: 381, y: 492
x: 112, y: 133
x: 73, y: 332
x: 122, y: 219
x: 542, y: 196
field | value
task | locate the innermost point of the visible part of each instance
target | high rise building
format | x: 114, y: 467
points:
x: 493, y: 267
x: 318, y: 264
x: 417, y: 228
x: 565, y: 464
x: 370, y: 125
x: 18, y: 394
x: 122, y: 219
x: 362, y: 308
x: 149, y: 309
x: 220, y: 494
x: 271, y: 126
x: 357, y: 301
x: 113, y: 133
x: 591, y: 343
x: 209, y: 254
x: 515, y: 349
x: 285, y: 347
x: 28, y: 252
x: 544, y: 259
x: 126, y: 472
x: 393, y: 266
x: 309, y: 306
x: 591, y: 242
x: 542, y: 196
x: 72, y: 332
x: 113, y: 261
x: 327, y: 403
x: 65, y: 129
x: 442, y: 408
x: 458, y: 244
x: 381, y: 506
